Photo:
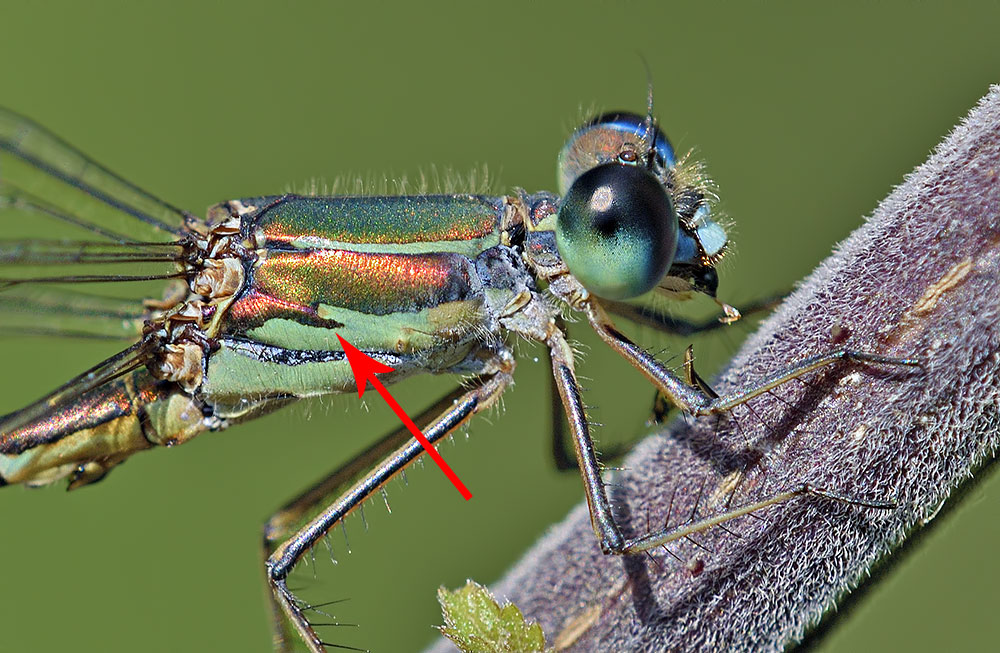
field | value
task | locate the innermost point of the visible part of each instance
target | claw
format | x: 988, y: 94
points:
x: 731, y: 313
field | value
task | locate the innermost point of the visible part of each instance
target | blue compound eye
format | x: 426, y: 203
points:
x: 617, y: 231
x: 618, y: 136
x: 636, y: 125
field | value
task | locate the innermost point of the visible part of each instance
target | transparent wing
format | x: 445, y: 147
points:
x: 38, y: 269
x: 44, y: 310
x: 31, y: 261
x: 65, y: 220
x: 39, y: 281
x: 37, y: 166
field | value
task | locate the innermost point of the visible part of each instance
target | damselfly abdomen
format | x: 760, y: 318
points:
x: 262, y: 290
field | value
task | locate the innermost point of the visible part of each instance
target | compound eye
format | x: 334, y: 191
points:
x: 610, y: 137
x: 617, y: 231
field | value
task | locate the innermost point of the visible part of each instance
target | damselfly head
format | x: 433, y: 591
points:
x: 633, y: 218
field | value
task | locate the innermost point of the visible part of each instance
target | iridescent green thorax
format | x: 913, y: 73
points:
x: 423, y: 278
x: 404, y: 265
x: 461, y: 223
x: 307, y: 284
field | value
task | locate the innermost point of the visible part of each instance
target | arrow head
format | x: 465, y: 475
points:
x: 364, y: 366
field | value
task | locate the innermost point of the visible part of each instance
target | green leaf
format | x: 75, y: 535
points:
x: 476, y: 623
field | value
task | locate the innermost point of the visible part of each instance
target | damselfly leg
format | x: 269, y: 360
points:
x: 653, y: 317
x: 374, y: 468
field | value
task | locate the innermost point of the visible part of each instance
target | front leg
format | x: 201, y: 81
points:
x: 653, y: 318
x: 694, y: 399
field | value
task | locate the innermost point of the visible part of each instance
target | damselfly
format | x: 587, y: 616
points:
x: 259, y: 291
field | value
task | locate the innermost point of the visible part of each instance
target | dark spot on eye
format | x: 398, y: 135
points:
x: 608, y: 227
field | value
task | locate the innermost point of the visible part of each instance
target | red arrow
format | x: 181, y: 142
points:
x: 365, y: 368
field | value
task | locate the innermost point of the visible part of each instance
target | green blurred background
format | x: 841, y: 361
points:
x: 806, y: 118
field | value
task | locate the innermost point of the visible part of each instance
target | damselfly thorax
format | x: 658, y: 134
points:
x: 263, y: 290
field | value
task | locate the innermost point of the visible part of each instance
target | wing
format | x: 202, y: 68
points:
x: 67, y: 223
x: 66, y: 220
x: 45, y: 310
x: 38, y: 167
